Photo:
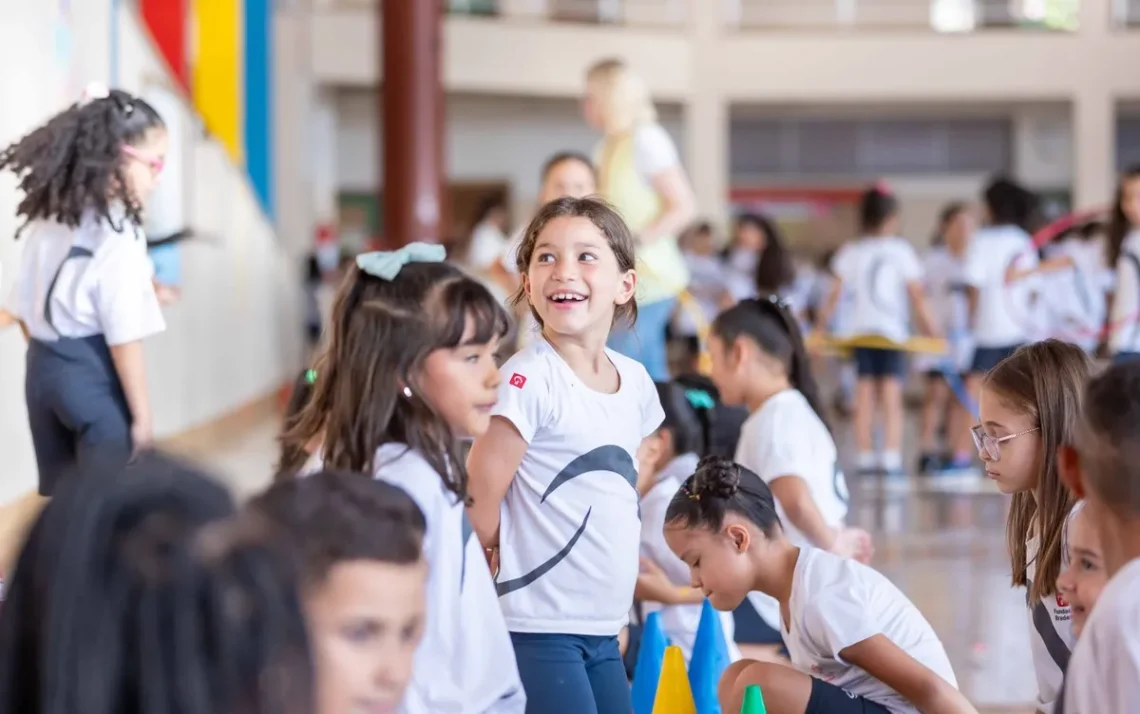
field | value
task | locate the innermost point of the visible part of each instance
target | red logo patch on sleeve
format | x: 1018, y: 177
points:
x: 1061, y: 601
x: 518, y: 381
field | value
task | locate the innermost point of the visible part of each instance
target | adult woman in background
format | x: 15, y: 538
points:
x: 640, y: 173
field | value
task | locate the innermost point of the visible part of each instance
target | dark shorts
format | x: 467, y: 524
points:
x: 1122, y: 357
x: 830, y: 699
x: 986, y: 358
x: 879, y: 364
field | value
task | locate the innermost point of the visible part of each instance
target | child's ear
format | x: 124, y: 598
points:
x: 627, y: 288
x: 526, y: 285
x: 739, y: 536
x: 1069, y: 468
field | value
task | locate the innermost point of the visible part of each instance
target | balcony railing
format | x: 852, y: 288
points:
x: 931, y: 15
x: 640, y: 13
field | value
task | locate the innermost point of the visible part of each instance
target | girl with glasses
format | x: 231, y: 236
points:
x: 1029, y: 405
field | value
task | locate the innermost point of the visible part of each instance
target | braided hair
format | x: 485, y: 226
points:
x: 74, y: 162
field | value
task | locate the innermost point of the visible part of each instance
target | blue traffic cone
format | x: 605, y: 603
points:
x: 650, y: 659
x: 710, y: 659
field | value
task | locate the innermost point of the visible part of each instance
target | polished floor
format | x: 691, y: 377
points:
x: 940, y: 540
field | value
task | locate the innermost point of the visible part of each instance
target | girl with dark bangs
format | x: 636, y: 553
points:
x: 408, y: 372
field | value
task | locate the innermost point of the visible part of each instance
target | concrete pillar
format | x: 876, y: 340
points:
x: 412, y: 109
x: 707, y: 118
x: 1094, y: 143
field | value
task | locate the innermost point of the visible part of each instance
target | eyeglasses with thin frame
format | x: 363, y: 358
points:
x: 991, y: 445
x: 155, y: 164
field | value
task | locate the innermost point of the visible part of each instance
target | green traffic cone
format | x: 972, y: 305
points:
x: 753, y: 701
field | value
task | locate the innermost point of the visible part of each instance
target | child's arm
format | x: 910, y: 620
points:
x: 926, y: 322
x: 888, y: 663
x: 654, y: 586
x: 491, y: 466
x: 1051, y: 265
x: 131, y: 368
x: 827, y: 310
x: 793, y: 494
x: 7, y: 319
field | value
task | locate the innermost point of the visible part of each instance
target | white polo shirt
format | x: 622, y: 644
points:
x: 1125, y: 320
x: 570, y: 529
x: 110, y: 293
x: 1003, y: 316
x: 465, y: 663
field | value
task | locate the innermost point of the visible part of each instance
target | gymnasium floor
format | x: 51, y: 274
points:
x: 941, y: 541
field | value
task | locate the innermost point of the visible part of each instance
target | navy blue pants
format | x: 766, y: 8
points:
x: 77, y: 411
x: 572, y: 674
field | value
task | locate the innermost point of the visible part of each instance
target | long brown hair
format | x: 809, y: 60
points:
x: 1119, y: 226
x: 1045, y: 380
x: 381, y: 333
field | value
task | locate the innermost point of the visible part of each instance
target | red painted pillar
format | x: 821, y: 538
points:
x: 412, y: 111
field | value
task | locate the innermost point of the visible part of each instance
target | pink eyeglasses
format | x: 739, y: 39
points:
x: 155, y: 164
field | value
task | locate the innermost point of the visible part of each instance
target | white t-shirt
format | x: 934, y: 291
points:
x: 1004, y: 312
x: 946, y: 296
x: 1077, y: 297
x: 488, y: 244
x: 1104, y: 675
x: 1125, y: 322
x: 680, y: 622
x: 569, y: 535
x: 110, y: 294
x: 1050, y: 629
x: 785, y: 437
x: 465, y: 662
x: 837, y: 602
x: 877, y: 270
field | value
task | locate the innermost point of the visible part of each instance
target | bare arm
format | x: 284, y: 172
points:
x: 678, y: 205
x: 491, y: 466
x: 793, y: 494
x: 7, y: 319
x: 131, y: 368
x: 654, y: 586
x: 823, y: 319
x: 886, y: 662
x: 1052, y: 265
x: 921, y: 307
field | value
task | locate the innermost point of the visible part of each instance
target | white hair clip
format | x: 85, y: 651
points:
x: 93, y: 91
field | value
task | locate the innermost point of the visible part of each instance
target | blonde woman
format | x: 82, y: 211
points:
x: 640, y: 173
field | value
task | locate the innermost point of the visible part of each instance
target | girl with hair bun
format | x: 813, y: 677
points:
x: 857, y: 644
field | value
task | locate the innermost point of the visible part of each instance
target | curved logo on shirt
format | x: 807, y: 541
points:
x: 466, y: 533
x: 879, y: 264
x: 610, y: 458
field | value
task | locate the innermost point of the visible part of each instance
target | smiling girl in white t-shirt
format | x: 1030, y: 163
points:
x: 758, y: 360
x: 857, y: 645
x: 553, y: 481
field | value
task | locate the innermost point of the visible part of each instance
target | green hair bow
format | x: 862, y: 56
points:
x: 386, y: 265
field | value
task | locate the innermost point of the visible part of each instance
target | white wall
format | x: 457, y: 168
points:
x: 488, y: 138
x: 236, y: 334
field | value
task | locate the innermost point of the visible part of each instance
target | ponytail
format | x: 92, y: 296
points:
x: 769, y: 323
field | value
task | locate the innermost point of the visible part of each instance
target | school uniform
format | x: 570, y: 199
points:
x: 1104, y: 674
x: 81, y: 291
x: 1124, y: 325
x: 877, y: 271
x: 785, y: 437
x: 946, y: 296
x: 569, y: 535
x: 1002, y: 320
x: 1051, y: 635
x: 679, y: 622
x: 465, y: 663
x: 836, y: 603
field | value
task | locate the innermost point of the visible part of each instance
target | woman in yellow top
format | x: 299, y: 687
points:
x: 640, y: 173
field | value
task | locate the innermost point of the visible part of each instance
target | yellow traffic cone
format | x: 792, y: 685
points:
x: 674, y: 696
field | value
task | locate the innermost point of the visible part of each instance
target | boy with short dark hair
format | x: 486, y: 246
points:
x: 358, y: 543
x: 1103, y: 467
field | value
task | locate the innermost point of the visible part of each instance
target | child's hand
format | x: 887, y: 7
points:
x: 854, y: 543
x: 492, y: 560
x: 142, y: 436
